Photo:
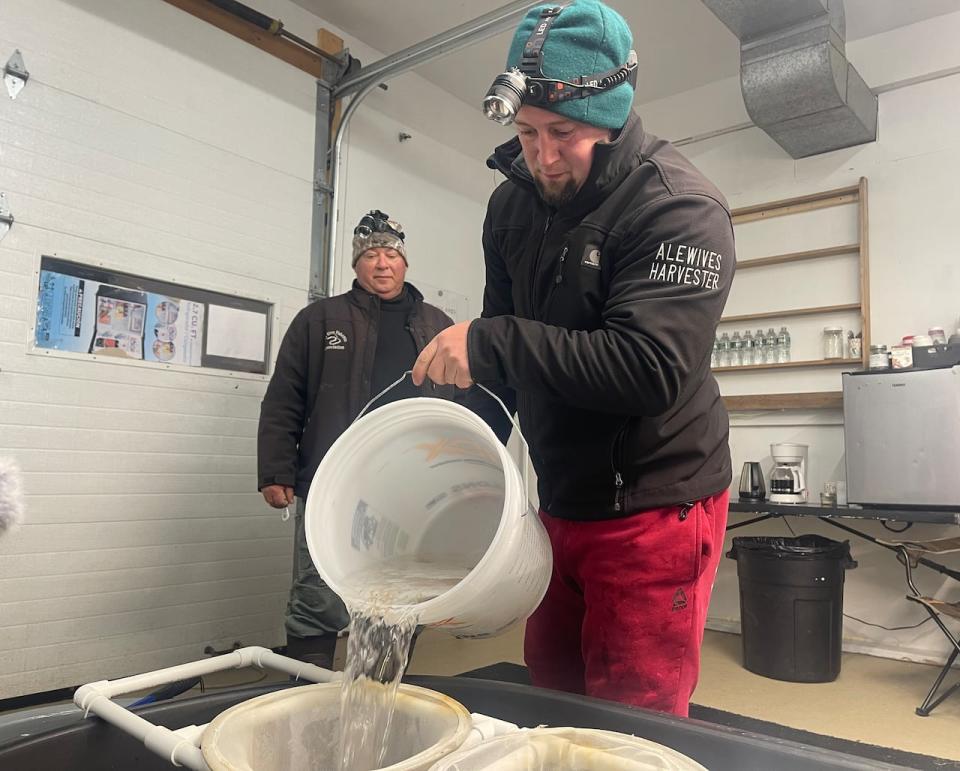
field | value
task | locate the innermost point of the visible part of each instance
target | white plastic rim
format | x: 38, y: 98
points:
x: 280, y: 730
x: 566, y: 749
x: 373, y: 479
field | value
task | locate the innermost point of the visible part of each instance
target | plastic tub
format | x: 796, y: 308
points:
x: 567, y: 749
x: 297, y: 730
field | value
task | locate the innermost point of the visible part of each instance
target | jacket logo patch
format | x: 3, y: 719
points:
x: 683, y: 264
x: 591, y: 257
x: 336, y: 341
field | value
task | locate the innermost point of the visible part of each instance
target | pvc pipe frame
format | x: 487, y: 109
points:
x: 181, y: 747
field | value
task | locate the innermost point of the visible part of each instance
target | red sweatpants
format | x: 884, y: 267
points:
x: 624, y: 614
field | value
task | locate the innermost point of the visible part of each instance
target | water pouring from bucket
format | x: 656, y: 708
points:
x: 417, y: 514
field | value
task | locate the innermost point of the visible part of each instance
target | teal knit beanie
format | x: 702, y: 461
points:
x: 587, y: 38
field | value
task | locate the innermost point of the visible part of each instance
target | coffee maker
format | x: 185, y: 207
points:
x: 788, y: 479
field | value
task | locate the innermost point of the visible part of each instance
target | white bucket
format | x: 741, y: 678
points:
x: 427, y: 480
x: 567, y: 749
x: 297, y: 730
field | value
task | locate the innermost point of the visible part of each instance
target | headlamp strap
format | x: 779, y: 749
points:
x: 612, y: 77
x: 531, y: 61
x: 555, y: 91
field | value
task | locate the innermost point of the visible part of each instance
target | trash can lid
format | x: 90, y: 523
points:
x: 801, y: 547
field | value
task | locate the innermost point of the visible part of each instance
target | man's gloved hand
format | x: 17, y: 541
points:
x: 278, y: 496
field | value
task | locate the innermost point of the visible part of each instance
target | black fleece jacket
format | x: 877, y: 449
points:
x: 598, y: 323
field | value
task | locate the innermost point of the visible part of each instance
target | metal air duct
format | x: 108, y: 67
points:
x: 796, y: 81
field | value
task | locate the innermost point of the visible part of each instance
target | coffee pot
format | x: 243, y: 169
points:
x: 788, y: 478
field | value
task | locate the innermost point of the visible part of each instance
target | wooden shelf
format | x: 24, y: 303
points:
x: 791, y: 312
x: 814, y: 400
x: 794, y: 365
x: 812, y: 254
x: 803, y: 203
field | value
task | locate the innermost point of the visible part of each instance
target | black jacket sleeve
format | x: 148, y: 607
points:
x: 283, y: 409
x: 497, y: 302
x: 658, y: 322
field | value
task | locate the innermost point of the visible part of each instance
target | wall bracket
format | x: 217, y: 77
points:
x: 15, y: 74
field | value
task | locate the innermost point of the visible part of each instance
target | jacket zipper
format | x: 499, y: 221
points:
x: 419, y: 343
x: 536, y: 267
x: 618, y: 495
x: 557, y: 280
x: 370, y: 352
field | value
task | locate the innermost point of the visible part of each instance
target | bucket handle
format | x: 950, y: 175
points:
x: 524, y: 475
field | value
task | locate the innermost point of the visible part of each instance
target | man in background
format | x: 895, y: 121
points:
x: 338, y: 353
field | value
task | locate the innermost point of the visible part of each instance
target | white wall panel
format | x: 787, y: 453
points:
x: 149, y: 142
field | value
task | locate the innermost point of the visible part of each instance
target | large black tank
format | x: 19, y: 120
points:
x: 92, y: 745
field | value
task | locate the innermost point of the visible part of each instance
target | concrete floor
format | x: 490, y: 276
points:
x: 872, y: 701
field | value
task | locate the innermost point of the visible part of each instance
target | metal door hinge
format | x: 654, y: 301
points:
x: 6, y: 216
x: 15, y: 74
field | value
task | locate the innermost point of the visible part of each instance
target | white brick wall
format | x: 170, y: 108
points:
x: 156, y: 144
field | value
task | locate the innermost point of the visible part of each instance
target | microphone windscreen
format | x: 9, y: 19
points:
x: 11, y: 495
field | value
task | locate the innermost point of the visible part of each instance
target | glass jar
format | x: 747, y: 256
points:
x: 878, y: 357
x: 832, y: 343
x: 938, y: 336
x: 856, y: 346
x: 829, y: 495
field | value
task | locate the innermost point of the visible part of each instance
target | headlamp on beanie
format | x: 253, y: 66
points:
x: 376, y: 229
x: 527, y: 85
x: 377, y: 222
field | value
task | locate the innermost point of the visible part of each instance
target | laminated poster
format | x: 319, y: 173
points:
x: 86, y: 316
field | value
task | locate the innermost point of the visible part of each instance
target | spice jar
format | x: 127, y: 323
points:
x: 832, y: 343
x: 878, y: 357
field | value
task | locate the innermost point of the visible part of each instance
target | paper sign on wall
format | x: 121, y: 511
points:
x: 84, y: 309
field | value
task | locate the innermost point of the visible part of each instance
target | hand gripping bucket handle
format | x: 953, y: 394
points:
x: 524, y: 474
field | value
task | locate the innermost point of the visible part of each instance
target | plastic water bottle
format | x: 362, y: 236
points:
x: 724, y: 350
x: 770, y: 347
x: 747, y: 357
x: 736, y: 350
x: 759, y: 352
x: 783, y: 346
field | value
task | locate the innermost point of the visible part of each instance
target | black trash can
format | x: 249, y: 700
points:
x: 791, y: 605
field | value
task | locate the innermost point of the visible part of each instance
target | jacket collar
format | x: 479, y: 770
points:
x: 369, y: 300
